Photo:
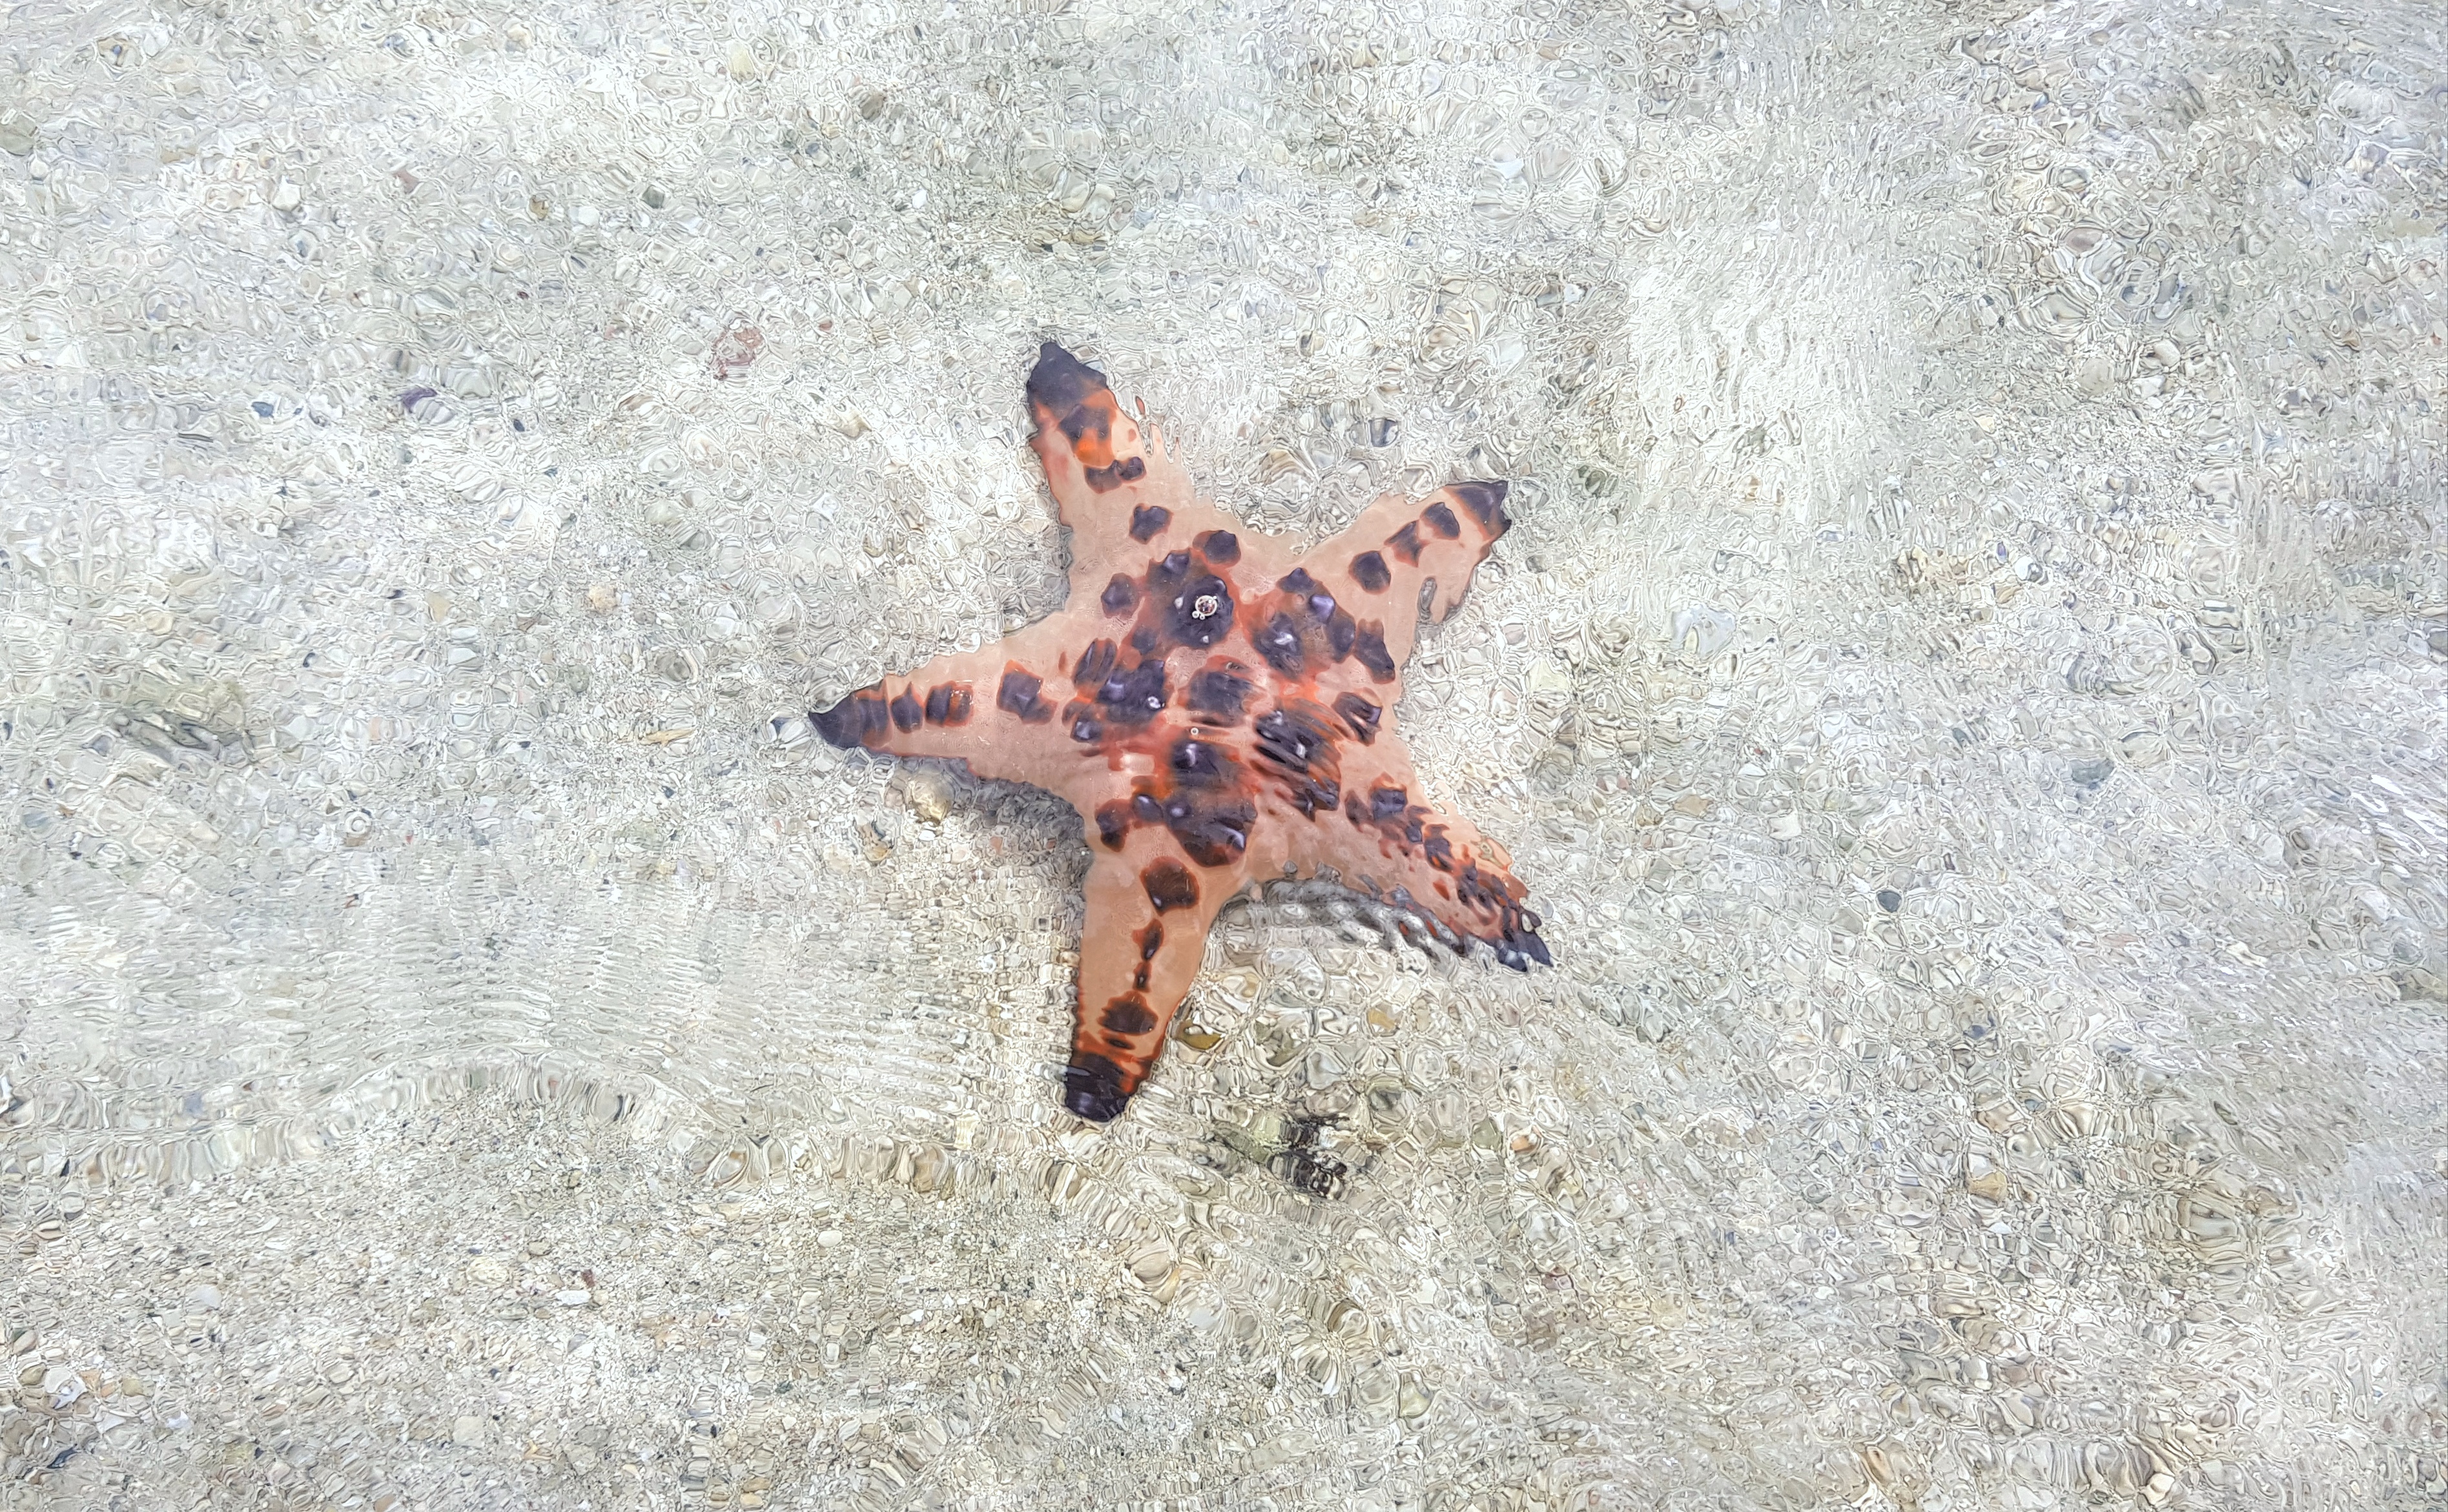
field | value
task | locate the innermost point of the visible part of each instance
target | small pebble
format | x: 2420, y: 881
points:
x: 929, y: 797
x: 736, y: 349
x: 871, y: 840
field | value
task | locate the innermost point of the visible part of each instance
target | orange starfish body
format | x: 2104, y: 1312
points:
x: 1218, y: 709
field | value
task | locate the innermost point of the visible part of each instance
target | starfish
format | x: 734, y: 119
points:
x: 1219, y: 710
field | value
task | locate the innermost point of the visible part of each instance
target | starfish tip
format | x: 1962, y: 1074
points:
x: 1485, y: 499
x: 1061, y: 382
x: 845, y: 725
x: 1092, y: 1089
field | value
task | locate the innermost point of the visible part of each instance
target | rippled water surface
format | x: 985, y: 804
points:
x: 1965, y: 685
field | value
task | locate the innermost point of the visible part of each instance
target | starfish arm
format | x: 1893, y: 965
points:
x: 1148, y: 914
x: 1378, y: 566
x: 1390, y: 843
x: 1000, y: 708
x: 1124, y: 497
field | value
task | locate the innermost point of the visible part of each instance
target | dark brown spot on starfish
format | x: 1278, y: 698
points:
x: 948, y: 703
x: 1368, y: 570
x: 1132, y: 696
x: 1342, y: 632
x: 1019, y: 694
x: 1220, y: 547
x: 1149, y: 940
x: 1113, y: 823
x: 1217, y: 693
x: 1128, y: 1015
x: 1214, y: 833
x: 1092, y: 1088
x: 1405, y: 542
x: 1440, y: 519
x: 1359, y: 714
x: 1388, y: 811
x: 1094, y: 664
x: 1107, y: 479
x: 1201, y: 612
x: 1310, y: 630
x: 1208, y: 809
x: 906, y: 711
x: 1279, y: 644
x: 1296, y: 743
x: 1121, y: 596
x: 1202, y: 762
x: 1292, y: 738
x: 1090, y: 424
x: 1148, y: 521
x: 1169, y: 884
x: 1485, y: 502
x: 1369, y: 646
x: 1061, y: 382
x: 857, y: 720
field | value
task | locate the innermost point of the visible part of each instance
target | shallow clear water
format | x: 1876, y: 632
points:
x: 1965, y: 686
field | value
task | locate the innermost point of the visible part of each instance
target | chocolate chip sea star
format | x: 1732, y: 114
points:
x: 1219, y: 710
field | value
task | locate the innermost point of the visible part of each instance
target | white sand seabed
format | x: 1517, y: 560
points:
x: 1966, y: 687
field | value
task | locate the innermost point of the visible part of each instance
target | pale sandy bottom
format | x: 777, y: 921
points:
x: 1966, y: 688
